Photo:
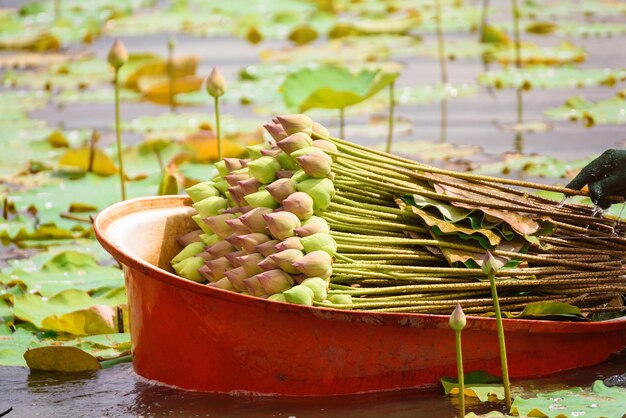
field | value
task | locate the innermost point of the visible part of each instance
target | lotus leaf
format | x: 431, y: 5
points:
x: 550, y: 77
x: 13, y: 345
x: 478, y: 384
x: 579, y: 109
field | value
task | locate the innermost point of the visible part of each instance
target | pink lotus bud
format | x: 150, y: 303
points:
x: 233, y: 257
x: 264, y: 169
x: 233, y: 164
x: 237, y: 209
x: 253, y: 286
x: 250, y: 241
x: 220, y: 249
x: 244, y: 162
x: 267, y: 248
x: 261, y: 199
x: 254, y: 219
x: 325, y: 145
x: 223, y: 284
x: 236, y: 279
x: 295, y: 142
x: 200, y: 191
x: 313, y: 225
x: 271, y: 152
x: 210, y: 206
x: 315, y: 264
x: 321, y: 191
x: 251, y: 262
x: 291, y: 243
x: 275, y: 281
x: 217, y: 268
x: 215, y: 84
x: 281, y: 188
x: 276, y: 131
x: 319, y: 287
x: 249, y: 186
x: 319, y: 242
x: 284, y: 174
x: 218, y: 225
x: 296, y: 123
x: 457, y: 319
x: 238, y: 227
x: 281, y: 224
x: 320, y: 129
x: 237, y: 195
x: 233, y: 239
x: 300, y: 204
x: 233, y: 179
x: 189, y: 237
x: 299, y: 278
x: 118, y: 55
x: 311, y: 150
x: 268, y: 264
x: 285, y: 259
x: 206, y: 273
x: 300, y: 295
x: 490, y: 264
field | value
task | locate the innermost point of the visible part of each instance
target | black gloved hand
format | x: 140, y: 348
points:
x: 605, y: 176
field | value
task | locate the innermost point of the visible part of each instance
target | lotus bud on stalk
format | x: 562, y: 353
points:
x: 189, y: 251
x: 300, y: 295
x: 278, y: 297
x: 188, y: 268
x: 264, y: 169
x: 238, y: 226
x: 311, y: 150
x: 210, y: 206
x: 222, y: 185
x: 189, y: 238
x: 315, y: 165
x: 286, y: 163
x: 320, y: 129
x: 268, y: 264
x: 285, y: 174
x: 457, y: 323
x: 236, y: 276
x: 296, y: 123
x: 251, y: 262
x: 325, y: 145
x: 314, y: 264
x: 299, y: 278
x: 206, y: 256
x: 294, y: 142
x: 261, y: 199
x: 218, y: 266
x: 276, y: 131
x: 254, y: 219
x: 220, y: 249
x: 285, y: 259
x: 300, y: 204
x: 234, y: 259
x: 221, y: 168
x: 236, y: 176
x: 237, y: 195
x: 233, y: 164
x: 249, y: 186
x: 218, y: 224
x: 291, y: 243
x: 270, y: 152
x: 313, y: 225
x: 216, y: 86
x: 281, y: 224
x: 340, y: 299
x: 118, y: 55
x: 223, y: 284
x: 319, y: 287
x: 281, y: 189
x: 275, y: 281
x: 250, y: 241
x: 253, y: 286
x: 321, y: 191
x: 254, y: 151
x: 267, y: 248
x: 201, y: 191
x: 320, y: 241
x: 233, y: 239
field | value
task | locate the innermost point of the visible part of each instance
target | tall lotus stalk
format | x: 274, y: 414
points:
x: 118, y: 55
x: 518, y: 64
x: 484, y: 12
x: 342, y: 122
x: 171, y: 44
x: 216, y: 87
x: 444, y: 68
x: 457, y: 323
x: 392, y: 105
x: 57, y: 10
x: 490, y: 267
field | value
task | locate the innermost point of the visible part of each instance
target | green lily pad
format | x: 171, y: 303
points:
x: 477, y: 384
x: 551, y: 309
x: 534, y: 165
x: 578, y: 109
x: 564, y: 53
x: 590, y: 29
x: 550, y: 77
x: 6, y: 313
x: 13, y: 345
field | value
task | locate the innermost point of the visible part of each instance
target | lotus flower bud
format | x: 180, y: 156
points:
x: 233, y: 239
x: 221, y: 168
x: 300, y: 295
x: 223, y: 284
x: 286, y: 162
x: 206, y: 274
x: 234, y: 178
x: 237, y: 195
x: 296, y: 123
x: 261, y: 199
x: 189, y: 251
x: 250, y: 241
x: 267, y: 248
x: 268, y: 264
x: 281, y: 188
x: 270, y: 152
x: 320, y: 241
x: 236, y: 278
x: 221, y: 248
x: 254, y: 151
x: 264, y: 169
x: 254, y: 219
x: 275, y: 281
x: 209, y: 239
x: 311, y: 150
x: 299, y: 176
x: 285, y: 174
x: 189, y: 237
x: 206, y: 256
x: 234, y: 257
x: 118, y: 55
x: 200, y: 222
x: 251, y: 262
x: 321, y: 191
x: 314, y: 165
x: 278, y: 297
x: 215, y: 84
x: 188, y: 268
x: 327, y: 273
x: 295, y: 142
x: 210, y: 206
x: 340, y: 299
x: 218, y: 266
x: 320, y: 129
x: 237, y: 226
x: 276, y: 131
x: 201, y: 191
x: 325, y: 146
x: 233, y: 164
x: 291, y: 243
x: 281, y: 224
x: 299, y: 278
x: 253, y: 285
x: 300, y: 204
x: 222, y: 186
x: 457, y: 319
x: 315, y: 264
x: 490, y: 264
x: 285, y: 259
x: 319, y: 287
x: 249, y: 186
x: 313, y: 225
x: 218, y: 224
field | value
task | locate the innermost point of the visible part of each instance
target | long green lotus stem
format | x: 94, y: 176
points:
x: 516, y: 34
x: 360, y: 220
x: 118, y: 133
x: 441, y: 43
x: 92, y: 149
x: 342, y: 121
x: 57, y: 10
x: 484, y: 13
x: 501, y: 342
x: 392, y: 105
x: 459, y: 367
x: 217, y: 128
x: 170, y: 73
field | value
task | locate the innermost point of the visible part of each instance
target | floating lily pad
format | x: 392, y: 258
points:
x: 478, y: 384
x: 578, y: 109
x: 588, y: 30
x: 564, y: 53
x: 13, y: 345
x: 535, y: 166
x: 551, y: 77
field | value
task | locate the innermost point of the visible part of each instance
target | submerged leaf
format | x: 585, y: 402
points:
x: 478, y: 384
x: 61, y: 359
x: 82, y: 160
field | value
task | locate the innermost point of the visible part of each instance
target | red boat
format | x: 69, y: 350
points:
x: 202, y: 338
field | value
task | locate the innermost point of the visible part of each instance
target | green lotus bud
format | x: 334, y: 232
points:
x: 253, y: 285
x: 490, y: 264
x: 275, y: 281
x: 118, y: 55
x: 291, y: 243
x: 219, y: 249
x: 299, y: 176
x: 285, y: 259
x: 278, y: 297
x: 311, y: 150
x: 223, y: 284
x: 251, y: 262
x: 222, y: 186
x: 268, y: 264
x: 281, y: 189
x: 206, y: 274
x: 287, y: 163
x: 249, y: 186
x: 233, y: 164
x: 276, y: 131
x: 267, y: 248
x: 201, y: 191
x: 300, y: 204
x: 320, y: 241
x: 326, y: 146
x: 313, y: 225
x: 189, y: 251
x: 218, y: 224
x: 261, y: 199
x: 209, y: 239
x: 238, y: 227
x: 254, y: 151
x: 319, y: 287
x: 250, y: 241
x: 186, y: 239
x: 340, y: 299
x: 203, y: 226
x: 264, y: 169
x: 215, y: 84
x: 315, y: 165
x: 296, y: 123
x: 206, y: 256
x: 295, y: 142
x: 210, y: 206
x: 327, y: 273
x: 254, y: 219
x: 320, y: 129
x: 281, y: 224
x: 300, y: 295
x: 314, y: 264
x: 188, y: 268
x: 457, y: 319
x: 217, y: 267
x: 321, y: 191
x: 234, y: 257
x: 221, y: 168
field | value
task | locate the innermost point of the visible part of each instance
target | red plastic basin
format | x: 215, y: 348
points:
x: 202, y: 338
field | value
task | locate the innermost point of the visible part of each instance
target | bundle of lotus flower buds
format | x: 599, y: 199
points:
x: 312, y: 219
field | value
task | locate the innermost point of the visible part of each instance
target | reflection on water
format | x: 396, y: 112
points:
x: 118, y: 392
